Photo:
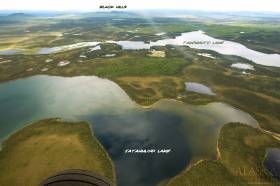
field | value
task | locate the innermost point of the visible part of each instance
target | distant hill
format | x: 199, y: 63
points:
x: 22, y: 15
x: 119, y: 14
x: 14, y: 18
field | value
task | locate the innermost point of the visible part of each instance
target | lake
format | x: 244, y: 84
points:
x: 189, y: 131
x: 199, y: 88
x: 8, y: 52
x: 200, y: 40
x: 242, y: 66
x: 66, y: 47
x: 195, y: 39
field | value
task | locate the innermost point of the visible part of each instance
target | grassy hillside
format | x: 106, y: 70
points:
x: 48, y: 146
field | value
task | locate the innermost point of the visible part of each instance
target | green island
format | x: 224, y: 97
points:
x: 46, y: 147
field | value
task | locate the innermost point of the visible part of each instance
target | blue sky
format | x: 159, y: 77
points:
x: 87, y: 5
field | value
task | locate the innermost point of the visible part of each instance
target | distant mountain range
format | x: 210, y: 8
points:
x: 257, y: 16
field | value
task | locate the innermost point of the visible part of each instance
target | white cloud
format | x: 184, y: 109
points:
x: 86, y: 5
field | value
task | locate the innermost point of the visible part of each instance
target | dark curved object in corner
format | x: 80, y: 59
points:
x: 76, y: 177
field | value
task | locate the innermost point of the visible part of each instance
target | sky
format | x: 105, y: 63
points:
x: 89, y: 5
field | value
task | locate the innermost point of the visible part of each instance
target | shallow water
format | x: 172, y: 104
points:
x: 188, y: 131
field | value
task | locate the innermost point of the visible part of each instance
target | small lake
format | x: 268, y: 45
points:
x: 272, y: 162
x: 243, y: 66
x: 190, y: 132
x: 132, y: 45
x: 66, y: 47
x: 199, y: 88
x: 8, y: 52
x: 195, y: 39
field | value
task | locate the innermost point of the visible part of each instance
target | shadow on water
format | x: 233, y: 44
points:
x: 137, y: 129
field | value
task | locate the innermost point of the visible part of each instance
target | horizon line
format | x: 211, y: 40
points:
x: 131, y: 10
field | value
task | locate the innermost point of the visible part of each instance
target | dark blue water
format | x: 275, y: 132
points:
x: 272, y: 162
x: 143, y: 130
